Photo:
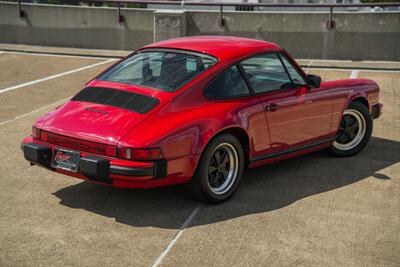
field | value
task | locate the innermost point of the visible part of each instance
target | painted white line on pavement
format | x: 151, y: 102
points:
x: 34, y: 111
x: 176, y: 237
x: 55, y: 55
x: 53, y: 76
x: 308, y: 65
x: 348, y: 70
x: 354, y: 74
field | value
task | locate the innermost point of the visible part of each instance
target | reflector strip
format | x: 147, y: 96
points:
x: 78, y: 144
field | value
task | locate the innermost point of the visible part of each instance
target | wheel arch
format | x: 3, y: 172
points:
x: 238, y: 132
x: 361, y: 100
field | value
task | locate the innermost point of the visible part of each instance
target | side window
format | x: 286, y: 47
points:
x: 294, y: 74
x: 228, y: 84
x: 191, y: 64
x: 155, y: 64
x: 266, y: 73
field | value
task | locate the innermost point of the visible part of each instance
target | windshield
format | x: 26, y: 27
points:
x: 164, y: 70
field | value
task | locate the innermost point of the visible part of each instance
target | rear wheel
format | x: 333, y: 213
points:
x: 354, y: 131
x: 219, y: 170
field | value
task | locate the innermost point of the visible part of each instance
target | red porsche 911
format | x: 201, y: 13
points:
x: 199, y: 111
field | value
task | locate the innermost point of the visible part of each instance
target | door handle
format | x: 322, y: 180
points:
x: 271, y: 107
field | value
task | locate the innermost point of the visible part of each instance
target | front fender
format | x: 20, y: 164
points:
x: 346, y: 91
x: 367, y: 91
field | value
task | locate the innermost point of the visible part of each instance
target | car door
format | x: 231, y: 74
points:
x: 296, y: 113
x: 230, y: 95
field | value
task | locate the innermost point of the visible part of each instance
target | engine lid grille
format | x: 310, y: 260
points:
x: 117, y: 98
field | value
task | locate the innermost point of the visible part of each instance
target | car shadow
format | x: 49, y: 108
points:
x: 262, y: 189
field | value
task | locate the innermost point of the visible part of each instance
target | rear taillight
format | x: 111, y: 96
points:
x: 36, y: 133
x: 140, y: 154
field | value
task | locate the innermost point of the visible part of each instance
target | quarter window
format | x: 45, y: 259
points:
x: 228, y: 84
x: 296, y: 77
x: 266, y: 73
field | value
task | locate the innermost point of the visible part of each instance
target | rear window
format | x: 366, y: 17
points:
x: 162, y: 70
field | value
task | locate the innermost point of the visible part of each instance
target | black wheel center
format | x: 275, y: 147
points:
x: 348, y: 129
x: 219, y: 168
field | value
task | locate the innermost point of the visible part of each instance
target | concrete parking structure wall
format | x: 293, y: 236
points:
x: 356, y: 36
x: 75, y: 26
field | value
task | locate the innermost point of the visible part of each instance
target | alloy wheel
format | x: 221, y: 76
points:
x: 351, y: 130
x: 223, y: 168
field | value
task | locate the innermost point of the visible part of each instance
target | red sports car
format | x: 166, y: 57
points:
x: 200, y: 110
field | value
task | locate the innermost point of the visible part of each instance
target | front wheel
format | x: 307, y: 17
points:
x: 354, y: 131
x: 219, y: 170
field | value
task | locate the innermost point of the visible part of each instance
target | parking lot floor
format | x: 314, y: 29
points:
x: 311, y: 211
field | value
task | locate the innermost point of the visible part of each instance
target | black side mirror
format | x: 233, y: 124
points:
x: 313, y: 80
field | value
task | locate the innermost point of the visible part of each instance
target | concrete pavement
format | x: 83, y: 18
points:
x: 310, y: 211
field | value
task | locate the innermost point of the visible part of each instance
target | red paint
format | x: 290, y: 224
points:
x: 185, y: 120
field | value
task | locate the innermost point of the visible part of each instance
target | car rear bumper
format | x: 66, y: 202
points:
x: 376, y: 110
x: 103, y: 170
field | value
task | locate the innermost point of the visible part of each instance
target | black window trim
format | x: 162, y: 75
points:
x: 294, y: 65
x: 283, y: 64
x: 280, y: 55
x: 245, y: 78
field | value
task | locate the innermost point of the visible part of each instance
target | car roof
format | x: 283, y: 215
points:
x: 221, y: 47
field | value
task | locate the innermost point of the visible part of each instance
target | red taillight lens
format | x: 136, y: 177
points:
x: 140, y: 154
x: 36, y: 133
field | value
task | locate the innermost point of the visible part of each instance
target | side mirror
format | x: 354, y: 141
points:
x: 313, y: 80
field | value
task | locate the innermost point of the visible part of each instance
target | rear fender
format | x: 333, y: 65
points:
x: 184, y: 128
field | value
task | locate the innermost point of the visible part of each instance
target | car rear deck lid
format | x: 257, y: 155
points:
x: 117, y: 98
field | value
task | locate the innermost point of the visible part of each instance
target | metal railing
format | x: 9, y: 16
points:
x: 330, y: 24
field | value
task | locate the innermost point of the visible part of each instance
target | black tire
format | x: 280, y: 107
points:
x: 338, y: 149
x: 199, y: 186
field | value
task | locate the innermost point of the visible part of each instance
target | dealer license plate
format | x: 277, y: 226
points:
x: 65, y: 159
